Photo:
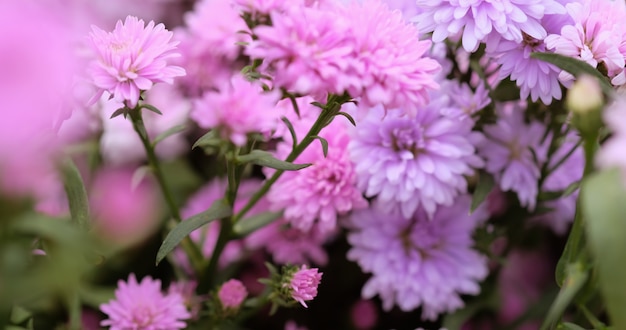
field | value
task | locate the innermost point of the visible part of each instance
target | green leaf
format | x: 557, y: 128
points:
x: 151, y: 108
x: 76, y: 195
x: 292, y: 131
x: 576, y: 276
x: 571, y: 188
x: 120, y: 111
x: 218, y: 210
x: 324, y: 145
x: 210, y: 139
x: 345, y: 114
x: 168, y: 133
x: 576, y: 67
x: 264, y: 158
x: 603, y: 199
x: 248, y: 225
x: 96, y: 296
x: 483, y: 188
x: 569, y: 326
x: 506, y: 90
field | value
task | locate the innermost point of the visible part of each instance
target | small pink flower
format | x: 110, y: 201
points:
x: 304, y: 284
x: 232, y: 294
x: 143, y: 306
x: 132, y: 58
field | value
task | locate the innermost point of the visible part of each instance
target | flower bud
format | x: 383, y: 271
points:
x: 232, y: 294
x: 585, y: 100
x: 304, y: 283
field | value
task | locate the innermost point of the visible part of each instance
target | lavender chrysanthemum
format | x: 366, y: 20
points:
x: 132, y: 58
x: 143, y: 306
x: 476, y: 19
x: 411, y: 162
x: 514, y: 153
x: 417, y: 261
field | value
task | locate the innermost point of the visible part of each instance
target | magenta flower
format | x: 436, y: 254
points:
x: 143, y: 306
x: 419, y: 262
x: 304, y: 283
x: 476, y: 19
x: 132, y: 58
x: 514, y: 153
x: 414, y: 162
x: 232, y: 294
x: 239, y: 108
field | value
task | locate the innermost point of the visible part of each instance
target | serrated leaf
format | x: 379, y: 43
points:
x: 575, y: 67
x: 248, y: 225
x: 292, y: 131
x: 264, y: 158
x: 210, y: 139
x: 168, y: 133
x: 324, y: 145
x: 219, y: 209
x: 76, y: 195
x: 603, y: 199
x: 151, y: 108
x: 483, y: 188
x: 347, y: 115
x: 120, y: 111
x: 576, y: 276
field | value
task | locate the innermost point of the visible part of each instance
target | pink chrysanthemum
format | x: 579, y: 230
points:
x: 240, y: 107
x: 304, y: 283
x: 476, y: 19
x: 232, y: 293
x: 143, y: 306
x: 132, y: 58
x: 323, y: 191
x: 597, y: 35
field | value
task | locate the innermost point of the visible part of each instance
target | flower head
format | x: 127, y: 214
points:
x: 143, y: 306
x: 416, y: 261
x: 412, y: 162
x: 132, y: 58
x: 304, y: 283
x: 232, y: 294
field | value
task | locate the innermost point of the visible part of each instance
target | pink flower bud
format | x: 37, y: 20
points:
x: 232, y: 294
x: 304, y: 284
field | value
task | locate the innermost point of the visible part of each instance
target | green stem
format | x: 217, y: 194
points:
x: 192, y: 251
x: 75, y: 315
x: 595, y: 323
x: 329, y: 111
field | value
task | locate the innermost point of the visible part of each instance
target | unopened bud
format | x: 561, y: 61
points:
x: 585, y: 100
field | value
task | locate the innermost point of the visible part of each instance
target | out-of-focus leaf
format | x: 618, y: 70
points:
x: 571, y: 188
x: 20, y: 315
x: 96, y: 296
x: 506, y: 91
x: 168, y: 133
x: 210, y: 139
x: 483, y: 188
x: 219, y: 209
x: 76, y: 195
x: 264, y: 158
x: 151, y: 108
x: 248, y: 225
x: 576, y: 67
x: 575, y: 278
x: 603, y: 199
x: 569, y: 326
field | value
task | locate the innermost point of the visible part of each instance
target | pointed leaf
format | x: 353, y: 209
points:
x: 151, y: 108
x: 210, y: 139
x: 575, y: 278
x: 264, y: 158
x: 292, y: 131
x: 575, y: 66
x: 120, y: 111
x: 483, y: 188
x: 248, y: 225
x: 218, y: 210
x: 324, y: 145
x: 571, y: 188
x: 168, y: 133
x: 76, y: 195
x: 603, y: 199
x: 347, y: 115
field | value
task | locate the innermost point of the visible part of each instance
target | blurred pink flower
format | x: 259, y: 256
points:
x: 304, y: 283
x: 143, y: 306
x: 292, y: 325
x: 232, y: 294
x: 132, y: 58
x: 364, y: 314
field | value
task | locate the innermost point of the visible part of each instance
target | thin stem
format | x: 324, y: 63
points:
x: 192, y: 251
x: 73, y: 305
x: 595, y: 323
x: 562, y: 160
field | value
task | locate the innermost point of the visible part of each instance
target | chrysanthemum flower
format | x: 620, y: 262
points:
x: 464, y: 101
x: 132, y: 58
x: 239, y: 108
x: 510, y: 150
x: 417, y: 261
x: 304, y: 283
x: 232, y: 294
x: 411, y: 162
x: 143, y: 306
x: 597, y: 35
x: 318, y: 194
x: 476, y: 19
